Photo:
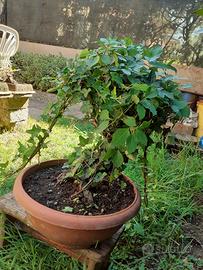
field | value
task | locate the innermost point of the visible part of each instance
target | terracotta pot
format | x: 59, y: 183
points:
x: 76, y: 231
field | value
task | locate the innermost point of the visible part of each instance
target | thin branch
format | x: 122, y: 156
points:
x: 145, y: 176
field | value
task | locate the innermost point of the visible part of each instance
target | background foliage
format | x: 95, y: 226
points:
x: 37, y: 69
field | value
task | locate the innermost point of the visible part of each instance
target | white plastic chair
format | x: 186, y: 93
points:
x: 9, y: 44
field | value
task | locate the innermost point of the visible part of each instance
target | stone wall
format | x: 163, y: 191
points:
x: 79, y: 23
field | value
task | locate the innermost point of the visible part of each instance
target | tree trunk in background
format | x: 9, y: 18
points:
x: 3, y: 11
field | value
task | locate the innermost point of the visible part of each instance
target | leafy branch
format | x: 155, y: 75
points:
x: 127, y: 94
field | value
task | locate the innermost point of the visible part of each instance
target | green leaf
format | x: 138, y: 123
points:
x: 108, y: 154
x: 153, y: 53
x: 103, y: 40
x: 145, y: 124
x: 35, y: 130
x: 149, y: 105
x: 90, y: 171
x: 141, y: 111
x: 86, y: 107
x: 86, y: 91
x: 106, y: 59
x: 120, y: 136
x: 116, y: 78
x: 156, y: 50
x: 117, y: 159
x: 142, y: 266
x: 138, y: 229
x: 52, y: 90
x: 131, y: 143
x: 83, y: 141
x: 132, y: 51
x: 162, y: 93
x: 71, y: 158
x: 104, y: 115
x: 185, y: 112
x: 199, y: 12
x: 141, y: 86
x: 3, y: 166
x: 178, y: 105
x: 126, y: 71
x: 152, y: 94
x: 115, y: 59
x: 163, y: 66
x: 135, y: 99
x: 67, y: 209
x: 84, y: 53
x: 99, y: 177
x: 129, y: 121
x: 102, y: 126
x: 141, y: 137
x: 113, y: 92
x: 128, y: 41
x: 92, y: 61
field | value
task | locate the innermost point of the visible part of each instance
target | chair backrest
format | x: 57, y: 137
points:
x: 9, y: 44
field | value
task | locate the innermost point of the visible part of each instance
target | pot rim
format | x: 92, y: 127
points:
x: 53, y: 216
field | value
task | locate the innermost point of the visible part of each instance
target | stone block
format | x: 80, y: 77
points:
x: 18, y: 116
x: 9, y: 118
x: 4, y: 89
x: 14, y: 103
x: 14, y: 108
x: 20, y: 88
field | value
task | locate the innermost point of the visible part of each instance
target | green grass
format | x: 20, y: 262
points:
x: 152, y: 240
x: 25, y: 253
x: 156, y: 236
x: 62, y: 140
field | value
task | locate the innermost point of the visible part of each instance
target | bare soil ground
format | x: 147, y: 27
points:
x: 194, y: 231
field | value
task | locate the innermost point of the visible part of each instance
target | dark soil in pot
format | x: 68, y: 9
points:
x: 106, y: 198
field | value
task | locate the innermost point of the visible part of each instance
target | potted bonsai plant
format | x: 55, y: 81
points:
x: 127, y: 95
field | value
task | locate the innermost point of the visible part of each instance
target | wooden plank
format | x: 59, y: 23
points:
x: 9, y: 206
x: 97, y: 266
x: 95, y: 258
x: 186, y: 138
x: 96, y: 255
x: 107, y: 246
x: 2, y: 228
x: 193, y: 91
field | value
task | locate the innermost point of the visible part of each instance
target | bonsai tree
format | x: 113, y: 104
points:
x: 126, y: 94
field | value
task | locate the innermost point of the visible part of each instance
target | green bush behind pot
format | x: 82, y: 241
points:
x: 37, y: 69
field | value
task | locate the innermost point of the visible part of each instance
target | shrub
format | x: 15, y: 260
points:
x: 37, y: 69
x: 126, y: 93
